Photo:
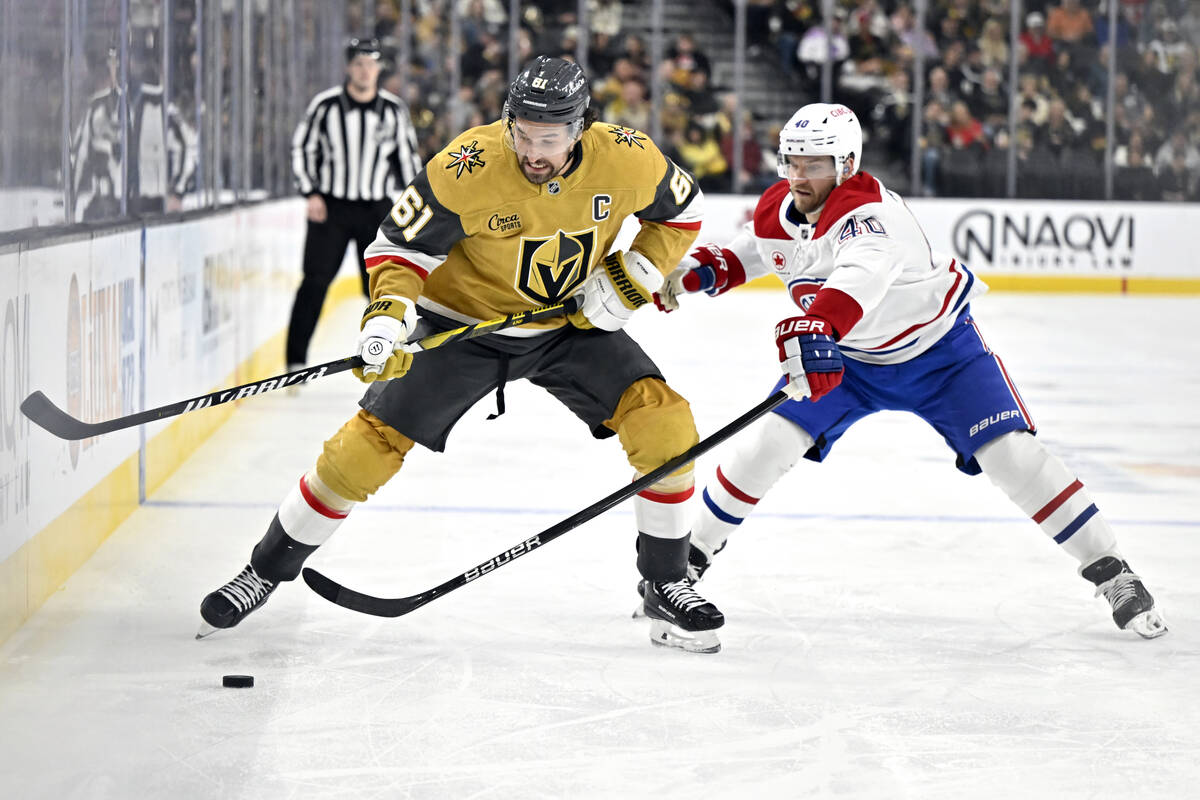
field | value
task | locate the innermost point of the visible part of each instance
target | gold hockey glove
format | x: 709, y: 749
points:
x: 386, y: 324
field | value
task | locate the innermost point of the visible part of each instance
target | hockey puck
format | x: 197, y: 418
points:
x: 238, y: 681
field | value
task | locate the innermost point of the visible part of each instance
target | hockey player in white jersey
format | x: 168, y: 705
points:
x: 885, y: 324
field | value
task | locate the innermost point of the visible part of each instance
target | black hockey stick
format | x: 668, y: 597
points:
x: 399, y: 606
x: 43, y: 412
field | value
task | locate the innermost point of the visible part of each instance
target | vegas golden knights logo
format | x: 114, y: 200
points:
x: 551, y: 268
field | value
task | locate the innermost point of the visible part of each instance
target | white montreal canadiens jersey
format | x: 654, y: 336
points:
x: 868, y: 245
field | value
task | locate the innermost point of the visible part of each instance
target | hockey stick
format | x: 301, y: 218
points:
x: 399, y: 606
x: 44, y: 413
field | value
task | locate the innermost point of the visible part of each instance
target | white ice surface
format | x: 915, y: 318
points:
x: 895, y: 628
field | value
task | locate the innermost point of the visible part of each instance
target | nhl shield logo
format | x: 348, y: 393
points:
x: 554, y: 187
x: 552, y: 267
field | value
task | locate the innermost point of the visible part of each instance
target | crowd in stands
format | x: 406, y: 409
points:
x: 965, y: 137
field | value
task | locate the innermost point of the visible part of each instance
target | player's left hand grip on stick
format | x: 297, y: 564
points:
x: 809, y: 356
x: 386, y: 325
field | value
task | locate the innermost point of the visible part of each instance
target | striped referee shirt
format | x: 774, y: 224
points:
x: 352, y: 150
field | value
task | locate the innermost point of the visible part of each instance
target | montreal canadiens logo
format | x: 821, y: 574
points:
x: 804, y: 292
x: 778, y: 260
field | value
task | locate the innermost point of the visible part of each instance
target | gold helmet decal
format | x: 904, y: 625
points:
x: 552, y: 267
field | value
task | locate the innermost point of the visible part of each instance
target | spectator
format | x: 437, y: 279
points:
x: 815, y: 45
x: 993, y: 44
x: 949, y: 30
x: 1032, y: 91
x: 990, y: 102
x: 1154, y: 83
x: 1134, y: 177
x: 1178, y: 183
x: 702, y: 157
x: 1183, y: 97
x: 938, y: 88
x: 633, y: 48
x: 701, y: 101
x: 685, y: 59
x: 1062, y: 77
x: 953, y: 61
x: 968, y: 14
x: 492, y: 15
x: 895, y: 116
x: 1069, y: 23
x: 795, y: 18
x: 917, y: 40
x: 1038, y: 46
x: 487, y: 54
x: 964, y: 131
x: 1058, y: 134
x: 1028, y: 123
x: 972, y: 70
x: 933, y: 140
x: 752, y: 178
x: 604, y: 16
x: 870, y: 52
x: 1087, y: 113
x: 1125, y: 34
x: 1167, y: 46
x: 1177, y: 145
x: 631, y: 108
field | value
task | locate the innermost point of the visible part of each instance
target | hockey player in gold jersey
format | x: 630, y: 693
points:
x: 510, y: 216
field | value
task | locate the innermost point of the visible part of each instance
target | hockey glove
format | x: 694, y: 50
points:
x: 386, y: 324
x: 620, y: 285
x: 708, y: 268
x: 809, y: 357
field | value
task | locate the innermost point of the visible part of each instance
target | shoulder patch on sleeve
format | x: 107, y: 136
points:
x: 766, y: 213
x: 626, y: 136
x: 457, y: 171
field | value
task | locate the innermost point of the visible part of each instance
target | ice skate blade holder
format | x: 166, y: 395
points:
x: 664, y: 634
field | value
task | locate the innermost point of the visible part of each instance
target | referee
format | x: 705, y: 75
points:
x: 355, y: 149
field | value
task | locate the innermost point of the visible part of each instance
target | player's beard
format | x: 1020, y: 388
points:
x: 810, y: 200
x: 545, y: 175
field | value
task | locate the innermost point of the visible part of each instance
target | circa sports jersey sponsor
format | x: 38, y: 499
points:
x: 552, y: 267
x: 467, y: 157
x: 627, y: 136
x: 507, y: 222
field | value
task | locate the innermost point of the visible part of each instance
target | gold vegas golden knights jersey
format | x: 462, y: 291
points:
x: 475, y: 239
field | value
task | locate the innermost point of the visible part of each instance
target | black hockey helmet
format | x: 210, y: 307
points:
x: 363, y: 47
x: 549, y: 90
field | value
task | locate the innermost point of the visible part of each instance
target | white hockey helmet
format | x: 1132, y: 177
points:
x: 822, y: 129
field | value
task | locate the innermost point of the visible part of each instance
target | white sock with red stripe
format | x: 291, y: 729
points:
x: 1042, y: 486
x: 312, y: 511
x: 760, y: 460
x: 663, y: 511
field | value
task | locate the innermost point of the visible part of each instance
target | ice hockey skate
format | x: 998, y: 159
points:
x: 700, y: 559
x: 1133, y: 607
x: 230, y: 604
x: 680, y: 617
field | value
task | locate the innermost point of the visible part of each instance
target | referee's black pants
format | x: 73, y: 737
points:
x: 324, y: 248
